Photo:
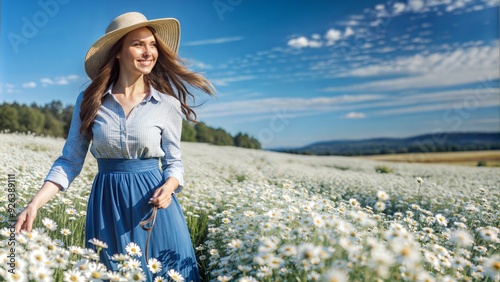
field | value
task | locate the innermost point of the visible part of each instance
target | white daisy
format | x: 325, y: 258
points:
x: 382, y: 196
x: 96, y: 272
x: 335, y: 275
x: 380, y: 206
x: 247, y: 279
x: 76, y: 250
x: 114, y: 276
x: 73, y: 275
x: 154, y: 265
x: 71, y: 211
x: 15, y: 277
x: 131, y: 264
x: 120, y: 257
x: 133, y: 249
x: 224, y: 278
x: 65, y: 232
x: 98, y: 243
x: 462, y: 237
x: 440, y: 219
x: 49, y: 224
x: 235, y: 243
x: 492, y: 267
x: 137, y: 275
x: 42, y: 274
x: 176, y: 276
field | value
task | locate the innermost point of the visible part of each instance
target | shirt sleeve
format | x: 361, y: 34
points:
x: 170, y: 143
x: 69, y: 165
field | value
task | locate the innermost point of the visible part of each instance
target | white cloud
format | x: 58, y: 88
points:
x: 191, y: 63
x: 294, y: 106
x: 300, y: 42
x: 462, y: 101
x: 303, y: 42
x: 59, y: 80
x: 458, y: 107
x: 491, y: 3
x: 348, y: 32
x: 453, y: 102
x: 349, y: 23
x: 214, y: 41
x: 416, y: 5
x: 458, y: 67
x: 46, y: 81
x: 30, y: 84
x: 333, y: 35
x: 315, y: 43
x: 385, y: 49
x: 355, y: 115
x: 398, y: 8
x: 432, y: 3
x: 226, y: 80
x: 457, y: 4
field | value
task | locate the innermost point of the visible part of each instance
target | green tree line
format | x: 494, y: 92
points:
x: 53, y: 119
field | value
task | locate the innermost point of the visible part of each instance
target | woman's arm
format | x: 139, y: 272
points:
x: 171, y: 145
x: 62, y: 173
x: 69, y: 165
x: 172, y: 166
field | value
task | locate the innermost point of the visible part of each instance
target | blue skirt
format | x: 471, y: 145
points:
x: 119, y: 201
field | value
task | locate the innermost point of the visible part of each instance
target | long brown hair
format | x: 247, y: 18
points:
x: 169, y: 76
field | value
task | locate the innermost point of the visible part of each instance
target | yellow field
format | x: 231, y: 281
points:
x: 492, y: 158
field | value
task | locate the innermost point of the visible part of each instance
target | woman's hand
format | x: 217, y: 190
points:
x: 162, y: 197
x: 26, y: 218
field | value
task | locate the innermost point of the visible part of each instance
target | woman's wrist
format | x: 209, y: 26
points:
x: 171, y: 184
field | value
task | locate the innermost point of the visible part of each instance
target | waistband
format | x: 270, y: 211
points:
x: 127, y: 165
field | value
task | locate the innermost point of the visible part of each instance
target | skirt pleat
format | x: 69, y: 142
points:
x: 119, y: 202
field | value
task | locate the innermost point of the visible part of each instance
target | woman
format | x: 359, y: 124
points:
x: 132, y: 113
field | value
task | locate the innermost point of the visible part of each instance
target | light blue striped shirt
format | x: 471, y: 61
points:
x: 152, y: 130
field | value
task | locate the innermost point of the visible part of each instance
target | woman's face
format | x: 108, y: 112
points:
x: 138, y: 54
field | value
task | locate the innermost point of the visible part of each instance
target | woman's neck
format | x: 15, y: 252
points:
x: 130, y: 86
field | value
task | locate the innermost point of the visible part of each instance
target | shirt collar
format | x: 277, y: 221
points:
x: 155, y: 94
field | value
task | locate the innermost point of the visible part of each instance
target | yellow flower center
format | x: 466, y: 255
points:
x: 496, y: 266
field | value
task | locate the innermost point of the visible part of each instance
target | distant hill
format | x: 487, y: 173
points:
x: 446, y: 142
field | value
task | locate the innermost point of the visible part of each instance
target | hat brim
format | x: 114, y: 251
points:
x: 167, y: 30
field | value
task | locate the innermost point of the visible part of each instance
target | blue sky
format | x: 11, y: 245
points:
x: 288, y: 72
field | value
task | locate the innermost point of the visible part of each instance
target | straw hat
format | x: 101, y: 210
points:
x: 166, y: 30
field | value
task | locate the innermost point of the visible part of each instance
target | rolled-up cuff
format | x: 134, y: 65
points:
x: 58, y: 178
x: 168, y: 173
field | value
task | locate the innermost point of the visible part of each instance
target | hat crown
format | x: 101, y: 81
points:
x: 126, y: 20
